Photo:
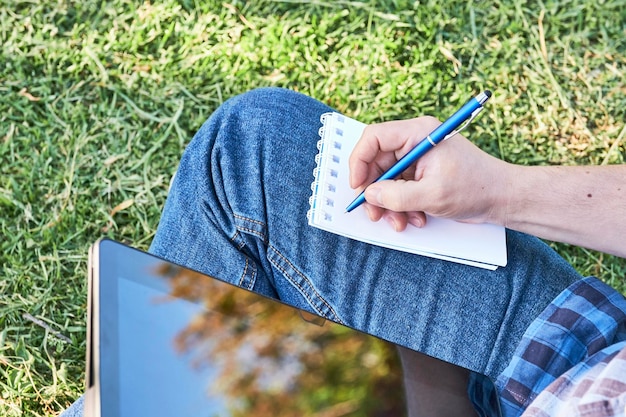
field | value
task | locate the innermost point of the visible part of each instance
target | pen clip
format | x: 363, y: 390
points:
x: 464, y: 125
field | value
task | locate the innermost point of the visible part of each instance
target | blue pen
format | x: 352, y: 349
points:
x: 447, y: 129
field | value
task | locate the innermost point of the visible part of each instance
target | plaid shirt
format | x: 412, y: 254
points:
x: 571, y: 361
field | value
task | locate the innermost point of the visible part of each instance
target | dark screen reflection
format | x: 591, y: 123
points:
x: 268, y: 361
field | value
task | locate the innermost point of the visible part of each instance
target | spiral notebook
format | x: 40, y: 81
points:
x: 481, y: 245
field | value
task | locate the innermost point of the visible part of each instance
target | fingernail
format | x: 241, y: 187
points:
x: 416, y: 220
x: 392, y: 221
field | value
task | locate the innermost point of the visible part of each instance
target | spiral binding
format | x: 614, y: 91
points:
x: 325, y: 170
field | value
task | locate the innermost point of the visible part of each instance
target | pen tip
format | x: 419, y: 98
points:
x: 488, y: 93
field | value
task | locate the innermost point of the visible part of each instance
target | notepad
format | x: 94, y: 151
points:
x: 481, y: 245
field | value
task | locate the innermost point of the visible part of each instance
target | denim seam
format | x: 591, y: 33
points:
x: 294, y: 281
x: 248, y: 225
x: 245, y: 274
x: 240, y: 244
x: 248, y: 276
x: 248, y: 229
x: 251, y: 231
x: 258, y: 222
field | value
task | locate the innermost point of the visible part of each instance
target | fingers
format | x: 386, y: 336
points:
x: 398, y: 221
x: 381, y: 145
x: 397, y: 195
x: 387, y: 200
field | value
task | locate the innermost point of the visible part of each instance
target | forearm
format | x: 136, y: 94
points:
x: 584, y: 206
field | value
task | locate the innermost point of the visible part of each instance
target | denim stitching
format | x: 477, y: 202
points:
x: 251, y: 231
x: 248, y: 229
x: 310, y: 298
x: 296, y: 283
x: 238, y: 216
x: 244, y: 275
x: 240, y: 244
x: 302, y: 290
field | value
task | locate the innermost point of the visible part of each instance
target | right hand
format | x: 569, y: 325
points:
x: 455, y: 180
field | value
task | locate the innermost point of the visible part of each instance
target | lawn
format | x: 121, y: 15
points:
x: 99, y: 98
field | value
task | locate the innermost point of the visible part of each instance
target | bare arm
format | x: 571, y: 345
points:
x: 585, y: 206
x: 581, y: 205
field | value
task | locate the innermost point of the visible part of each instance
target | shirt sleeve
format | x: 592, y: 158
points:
x: 593, y: 388
x: 578, y: 334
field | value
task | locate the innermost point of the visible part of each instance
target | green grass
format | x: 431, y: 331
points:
x: 98, y: 100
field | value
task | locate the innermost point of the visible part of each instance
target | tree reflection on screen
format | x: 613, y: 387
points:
x: 273, y: 363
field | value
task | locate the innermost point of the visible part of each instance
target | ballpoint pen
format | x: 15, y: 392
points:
x: 455, y: 123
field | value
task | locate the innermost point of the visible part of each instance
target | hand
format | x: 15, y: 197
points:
x: 455, y: 180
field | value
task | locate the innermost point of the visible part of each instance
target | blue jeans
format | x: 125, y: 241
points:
x: 237, y: 210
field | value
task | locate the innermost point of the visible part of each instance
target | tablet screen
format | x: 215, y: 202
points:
x: 175, y: 342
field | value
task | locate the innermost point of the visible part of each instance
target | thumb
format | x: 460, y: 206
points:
x: 395, y: 195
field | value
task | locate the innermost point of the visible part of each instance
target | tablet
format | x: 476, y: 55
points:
x: 164, y: 340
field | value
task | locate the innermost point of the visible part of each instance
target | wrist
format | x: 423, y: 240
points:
x: 504, y: 191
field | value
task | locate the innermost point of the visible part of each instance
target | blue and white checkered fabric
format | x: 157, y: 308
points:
x: 582, y: 329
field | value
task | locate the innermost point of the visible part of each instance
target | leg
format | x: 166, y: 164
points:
x: 237, y: 210
x: 434, y: 388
